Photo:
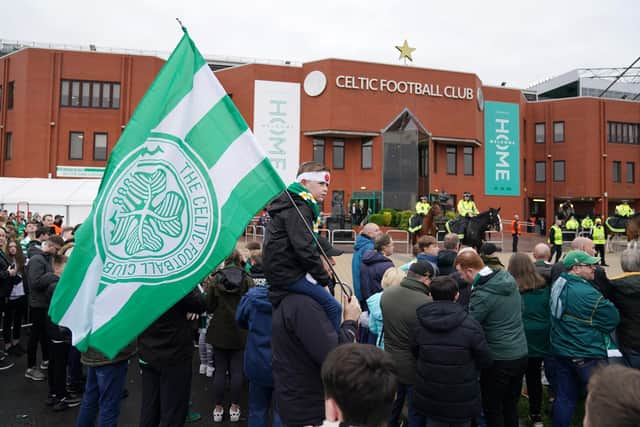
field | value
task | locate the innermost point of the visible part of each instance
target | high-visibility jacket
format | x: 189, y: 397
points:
x: 516, y: 227
x: 587, y: 223
x: 423, y: 208
x: 467, y: 207
x: 572, y: 225
x: 624, y: 210
x: 597, y: 235
x: 555, y: 235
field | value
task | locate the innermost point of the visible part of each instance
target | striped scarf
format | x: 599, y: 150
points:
x: 297, y: 188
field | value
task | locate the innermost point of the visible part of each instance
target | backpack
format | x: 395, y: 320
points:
x: 231, y: 278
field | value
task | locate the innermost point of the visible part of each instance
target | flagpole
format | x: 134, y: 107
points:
x: 345, y: 288
x: 181, y: 26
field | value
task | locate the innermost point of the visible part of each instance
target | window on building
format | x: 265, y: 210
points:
x: 338, y: 154
x: 88, y: 94
x: 452, y: 154
x: 367, y: 153
x: 631, y: 172
x: 558, y: 170
x: 616, y: 166
x: 558, y: 131
x: 468, y: 160
x: 8, y: 145
x: 10, y: 89
x: 75, y: 145
x: 539, y: 133
x: 99, y: 146
x: 318, y: 150
x: 618, y: 132
x: 541, y: 171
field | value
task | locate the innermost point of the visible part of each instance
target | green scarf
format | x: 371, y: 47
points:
x: 298, y: 189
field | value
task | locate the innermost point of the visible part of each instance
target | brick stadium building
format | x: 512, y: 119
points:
x: 388, y: 132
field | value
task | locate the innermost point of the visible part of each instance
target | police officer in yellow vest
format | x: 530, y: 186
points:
x: 572, y: 224
x: 555, y: 240
x: 624, y: 210
x: 587, y: 224
x: 422, y: 208
x: 599, y: 239
x: 466, y: 206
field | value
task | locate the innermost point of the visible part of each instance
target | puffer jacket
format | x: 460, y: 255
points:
x: 625, y: 295
x: 223, y: 298
x: 372, y: 268
x: 254, y: 314
x: 290, y: 251
x: 450, y: 349
x: 362, y: 245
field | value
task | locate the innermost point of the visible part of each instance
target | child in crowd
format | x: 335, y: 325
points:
x: 254, y: 314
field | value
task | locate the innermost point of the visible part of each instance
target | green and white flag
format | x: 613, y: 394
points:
x: 185, y: 178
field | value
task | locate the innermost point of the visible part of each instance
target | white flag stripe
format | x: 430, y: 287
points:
x: 240, y: 158
x: 110, y: 302
x: 78, y: 315
x: 206, y: 93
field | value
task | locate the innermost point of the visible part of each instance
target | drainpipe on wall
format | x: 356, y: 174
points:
x: 3, y: 113
x: 603, y: 160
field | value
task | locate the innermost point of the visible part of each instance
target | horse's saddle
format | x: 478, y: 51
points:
x: 457, y: 226
x: 617, y: 224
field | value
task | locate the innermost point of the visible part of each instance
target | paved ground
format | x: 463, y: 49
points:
x: 22, y: 400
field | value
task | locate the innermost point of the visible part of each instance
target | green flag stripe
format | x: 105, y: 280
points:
x: 216, y: 131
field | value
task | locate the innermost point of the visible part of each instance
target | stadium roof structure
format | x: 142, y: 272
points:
x: 617, y: 83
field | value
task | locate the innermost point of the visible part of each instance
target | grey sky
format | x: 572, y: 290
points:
x: 514, y: 41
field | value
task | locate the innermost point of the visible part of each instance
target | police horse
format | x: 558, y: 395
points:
x: 428, y: 227
x: 618, y: 226
x: 473, y: 235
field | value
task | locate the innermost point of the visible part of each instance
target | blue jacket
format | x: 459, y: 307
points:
x: 254, y: 314
x: 375, y: 317
x: 372, y: 268
x: 363, y: 244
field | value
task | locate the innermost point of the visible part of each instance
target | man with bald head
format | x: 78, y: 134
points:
x: 364, y: 242
x: 600, y: 279
x: 541, y: 253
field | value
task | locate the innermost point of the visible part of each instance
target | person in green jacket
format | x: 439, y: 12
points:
x: 535, y: 296
x: 496, y: 304
x: 581, y: 321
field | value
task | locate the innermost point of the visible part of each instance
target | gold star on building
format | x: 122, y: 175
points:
x: 405, y: 51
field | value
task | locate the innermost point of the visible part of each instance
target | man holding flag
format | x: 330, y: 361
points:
x: 179, y: 188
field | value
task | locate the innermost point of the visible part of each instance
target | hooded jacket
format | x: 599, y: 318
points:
x: 581, y: 318
x: 496, y: 304
x: 625, y: 296
x: 372, y: 268
x: 450, y: 349
x: 399, y: 304
x: 223, y: 297
x: 40, y: 275
x: 446, y: 259
x: 362, y: 245
x: 254, y: 315
x: 289, y: 250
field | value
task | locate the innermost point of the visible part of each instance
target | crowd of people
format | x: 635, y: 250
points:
x: 446, y: 339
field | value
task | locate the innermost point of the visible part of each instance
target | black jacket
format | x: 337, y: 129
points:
x: 56, y: 332
x: 6, y: 281
x: 168, y: 341
x: 464, y: 289
x: 625, y: 295
x: 450, y: 349
x: 39, y: 272
x: 302, y: 338
x: 446, y: 259
x: 289, y: 250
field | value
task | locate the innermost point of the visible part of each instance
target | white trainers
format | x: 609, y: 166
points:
x: 234, y: 414
x: 203, y: 369
x: 218, y: 414
x: 210, y: 371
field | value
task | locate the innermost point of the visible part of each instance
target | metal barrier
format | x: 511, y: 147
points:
x: 326, y: 233
x: 349, y: 231
x: 495, y: 237
x: 404, y: 238
x: 249, y: 232
x: 259, y: 232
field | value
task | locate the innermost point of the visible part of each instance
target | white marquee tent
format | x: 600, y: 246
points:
x: 72, y: 198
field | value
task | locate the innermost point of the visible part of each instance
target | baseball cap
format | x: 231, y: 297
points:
x: 422, y: 268
x: 574, y: 258
x: 488, y: 249
x: 328, y: 248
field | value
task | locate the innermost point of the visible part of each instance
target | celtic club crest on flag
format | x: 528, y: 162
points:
x: 179, y: 188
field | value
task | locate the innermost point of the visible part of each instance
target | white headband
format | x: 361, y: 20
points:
x: 318, y: 176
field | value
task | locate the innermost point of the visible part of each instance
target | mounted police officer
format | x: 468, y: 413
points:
x: 624, y: 210
x: 466, y: 209
x: 422, y: 209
